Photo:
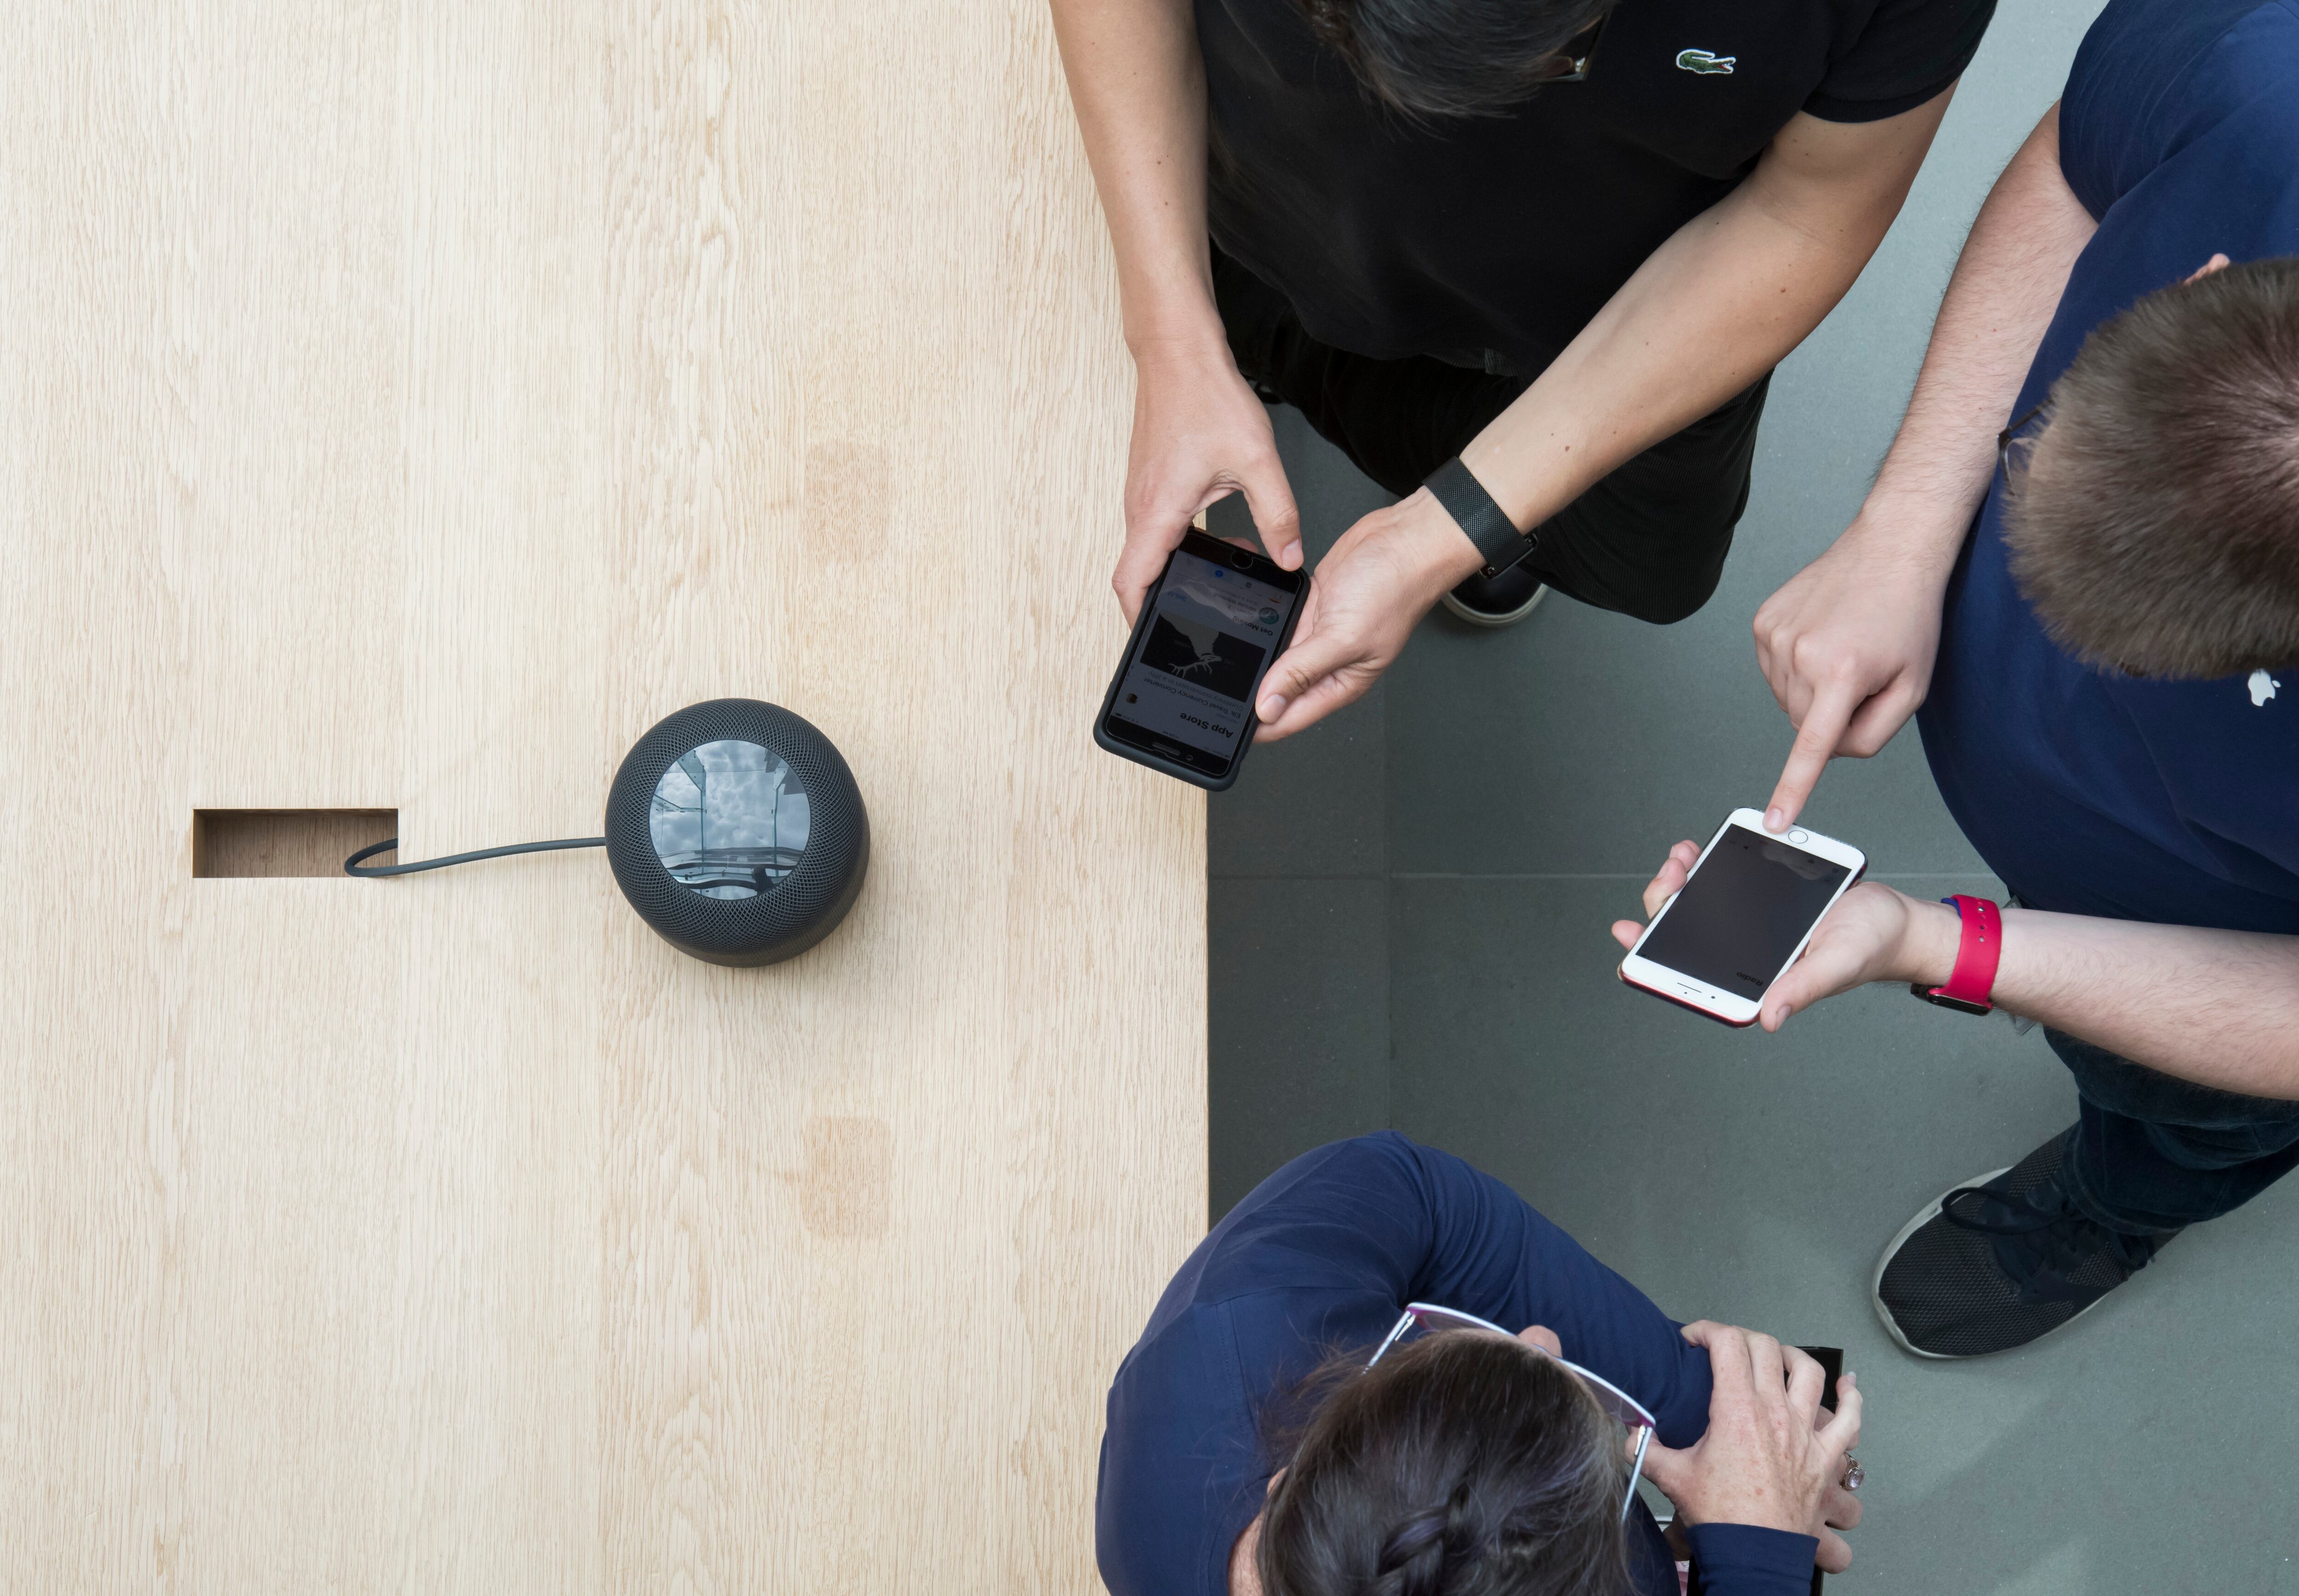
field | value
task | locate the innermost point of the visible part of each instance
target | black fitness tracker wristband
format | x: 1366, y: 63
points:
x: 1465, y: 500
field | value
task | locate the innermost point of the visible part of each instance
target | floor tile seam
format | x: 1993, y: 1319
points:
x: 1645, y: 876
x: 1540, y: 876
x: 1302, y: 875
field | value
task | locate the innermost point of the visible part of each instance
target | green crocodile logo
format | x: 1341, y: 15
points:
x: 1701, y: 60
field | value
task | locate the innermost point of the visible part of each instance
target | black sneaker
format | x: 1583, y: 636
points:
x: 1498, y: 602
x: 2000, y: 1262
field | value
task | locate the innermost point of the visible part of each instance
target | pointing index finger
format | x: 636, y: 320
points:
x: 1815, y: 744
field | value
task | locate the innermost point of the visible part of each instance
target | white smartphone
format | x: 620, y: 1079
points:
x: 1751, y: 904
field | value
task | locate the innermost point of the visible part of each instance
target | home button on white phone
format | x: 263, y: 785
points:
x: 1799, y: 836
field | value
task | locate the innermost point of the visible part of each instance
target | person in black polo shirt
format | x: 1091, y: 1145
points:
x: 1528, y: 263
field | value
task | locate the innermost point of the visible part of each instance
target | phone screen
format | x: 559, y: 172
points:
x: 1187, y: 693
x: 1744, y: 911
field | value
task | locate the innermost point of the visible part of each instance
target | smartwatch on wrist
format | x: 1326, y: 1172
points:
x: 1485, y: 523
x: 1973, y: 980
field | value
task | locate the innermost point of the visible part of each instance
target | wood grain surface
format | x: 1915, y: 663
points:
x: 409, y: 404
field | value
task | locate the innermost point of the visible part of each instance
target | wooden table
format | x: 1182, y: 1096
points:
x: 409, y: 404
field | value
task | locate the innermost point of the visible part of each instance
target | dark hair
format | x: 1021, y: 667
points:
x: 2154, y: 525
x: 1449, y: 57
x: 1461, y: 1465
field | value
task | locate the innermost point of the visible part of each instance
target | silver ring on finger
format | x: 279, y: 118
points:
x: 1853, y: 1473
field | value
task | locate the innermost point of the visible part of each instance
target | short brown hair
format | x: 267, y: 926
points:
x: 2154, y: 525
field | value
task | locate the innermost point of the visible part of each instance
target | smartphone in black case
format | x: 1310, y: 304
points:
x: 1182, y: 700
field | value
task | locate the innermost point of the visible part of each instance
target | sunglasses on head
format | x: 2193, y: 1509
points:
x: 1429, y: 1319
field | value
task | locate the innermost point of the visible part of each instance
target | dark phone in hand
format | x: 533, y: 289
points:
x: 1210, y: 627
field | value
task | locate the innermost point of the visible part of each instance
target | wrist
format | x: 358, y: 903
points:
x: 1929, y: 943
x: 1759, y: 1509
x: 1528, y: 498
x: 1907, y: 539
x: 1441, y: 554
x: 1188, y: 332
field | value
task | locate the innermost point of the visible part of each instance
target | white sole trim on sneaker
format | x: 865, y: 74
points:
x: 1478, y: 618
x: 1924, y: 1216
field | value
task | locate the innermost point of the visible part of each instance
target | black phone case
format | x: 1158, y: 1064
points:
x: 1832, y: 1365
x: 1206, y: 546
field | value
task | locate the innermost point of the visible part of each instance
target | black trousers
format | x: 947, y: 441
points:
x: 2152, y: 1153
x: 1650, y: 540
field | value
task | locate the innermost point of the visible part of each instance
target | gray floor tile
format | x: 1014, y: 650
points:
x: 1314, y: 804
x: 1298, y: 1021
x: 1516, y: 1045
x: 1582, y: 741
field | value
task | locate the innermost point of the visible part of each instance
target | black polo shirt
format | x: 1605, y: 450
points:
x: 1508, y: 233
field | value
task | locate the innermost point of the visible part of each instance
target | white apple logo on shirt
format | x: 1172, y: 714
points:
x: 2263, y: 688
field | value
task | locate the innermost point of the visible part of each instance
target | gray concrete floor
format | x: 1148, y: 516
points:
x: 1409, y: 914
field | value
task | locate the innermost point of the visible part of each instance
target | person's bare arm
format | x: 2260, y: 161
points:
x: 1716, y: 306
x: 2220, y: 1008
x: 1138, y: 85
x: 1848, y: 644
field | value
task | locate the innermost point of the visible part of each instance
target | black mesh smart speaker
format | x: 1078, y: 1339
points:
x: 736, y: 831
x: 734, y: 827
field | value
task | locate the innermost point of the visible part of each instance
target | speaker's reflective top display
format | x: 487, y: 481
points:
x: 728, y: 819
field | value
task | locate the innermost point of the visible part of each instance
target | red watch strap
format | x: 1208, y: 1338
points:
x: 1977, y: 952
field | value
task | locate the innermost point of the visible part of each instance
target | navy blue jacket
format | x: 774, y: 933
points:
x: 1324, y: 1256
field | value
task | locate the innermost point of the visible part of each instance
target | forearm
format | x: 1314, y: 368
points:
x: 2006, y: 286
x: 1139, y: 87
x: 1714, y: 308
x: 2220, y: 1008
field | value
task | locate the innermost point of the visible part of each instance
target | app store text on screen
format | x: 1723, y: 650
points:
x: 1204, y: 647
x: 1743, y: 912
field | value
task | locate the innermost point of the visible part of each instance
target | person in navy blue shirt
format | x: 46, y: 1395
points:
x: 1467, y: 1462
x: 2081, y: 560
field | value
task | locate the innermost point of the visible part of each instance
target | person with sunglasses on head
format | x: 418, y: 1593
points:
x: 1330, y: 1399
x: 2081, y: 560
x: 1529, y: 263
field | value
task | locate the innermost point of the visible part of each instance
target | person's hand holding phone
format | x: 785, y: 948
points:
x: 1872, y: 933
x: 1386, y: 573
x: 1200, y: 434
x: 1772, y: 1457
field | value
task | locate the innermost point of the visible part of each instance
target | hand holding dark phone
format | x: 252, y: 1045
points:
x: 1832, y: 1364
x: 1210, y: 627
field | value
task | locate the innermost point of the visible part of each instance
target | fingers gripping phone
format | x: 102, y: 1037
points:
x: 1831, y: 1369
x: 1742, y: 917
x: 1182, y: 700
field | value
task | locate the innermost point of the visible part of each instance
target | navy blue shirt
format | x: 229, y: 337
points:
x: 2088, y: 792
x: 1324, y: 1256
